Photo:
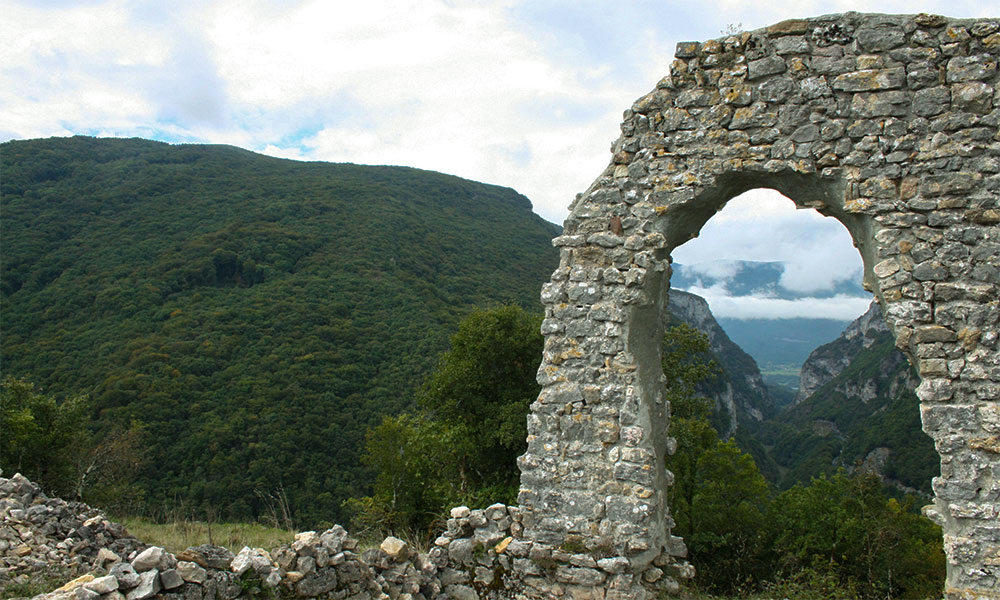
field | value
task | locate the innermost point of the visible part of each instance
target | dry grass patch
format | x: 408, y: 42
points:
x: 180, y: 535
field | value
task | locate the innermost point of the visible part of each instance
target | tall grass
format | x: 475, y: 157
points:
x: 179, y: 535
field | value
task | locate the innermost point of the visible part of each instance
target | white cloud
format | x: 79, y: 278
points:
x: 723, y: 305
x: 523, y: 93
x: 763, y: 225
x: 716, y: 269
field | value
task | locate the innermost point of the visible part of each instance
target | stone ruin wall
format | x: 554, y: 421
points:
x: 888, y: 124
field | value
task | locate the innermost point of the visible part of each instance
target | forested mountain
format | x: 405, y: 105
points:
x: 739, y: 392
x: 857, y: 407
x: 742, y: 402
x: 258, y: 315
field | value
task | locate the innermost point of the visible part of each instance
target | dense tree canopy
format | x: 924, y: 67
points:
x: 484, y: 385
x: 257, y: 314
x: 40, y: 434
x: 838, y: 537
x: 54, y: 443
x: 463, y: 443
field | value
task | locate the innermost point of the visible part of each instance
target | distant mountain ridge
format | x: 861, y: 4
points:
x: 781, y: 342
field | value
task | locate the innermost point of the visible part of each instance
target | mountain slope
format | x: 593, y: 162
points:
x: 742, y: 401
x: 257, y: 314
x: 829, y: 360
x: 739, y: 393
x: 859, y: 410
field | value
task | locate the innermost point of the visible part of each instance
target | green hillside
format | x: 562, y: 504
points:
x: 257, y: 314
x: 870, y: 405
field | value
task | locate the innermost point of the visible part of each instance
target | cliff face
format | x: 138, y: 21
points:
x: 739, y: 394
x: 856, y: 408
x: 829, y: 360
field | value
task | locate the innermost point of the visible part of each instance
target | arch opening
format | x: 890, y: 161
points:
x: 754, y: 264
x: 763, y: 261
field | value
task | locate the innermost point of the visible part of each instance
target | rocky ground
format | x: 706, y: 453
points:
x: 44, y: 539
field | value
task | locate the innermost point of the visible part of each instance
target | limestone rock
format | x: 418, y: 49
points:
x: 103, y: 585
x: 396, y: 548
x: 191, y: 572
x: 149, y: 585
x: 150, y: 558
x: 171, y: 579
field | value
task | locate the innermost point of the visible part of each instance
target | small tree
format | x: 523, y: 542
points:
x: 49, y: 441
x: 463, y: 444
x: 686, y: 363
x: 844, y: 530
x: 416, y: 461
x: 107, y: 467
x: 719, y: 499
x: 483, y: 387
x: 40, y: 435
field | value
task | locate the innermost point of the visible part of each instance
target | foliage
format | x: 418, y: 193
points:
x: 40, y: 434
x: 685, y: 365
x: 483, y: 386
x: 107, y: 468
x: 39, y: 583
x: 719, y: 499
x: 462, y: 446
x: 732, y: 530
x: 845, y: 529
x: 257, y: 314
x: 838, y: 537
x: 887, y: 418
x: 48, y: 441
x: 416, y: 461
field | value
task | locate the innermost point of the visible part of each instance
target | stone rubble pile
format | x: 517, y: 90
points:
x: 41, y: 536
x: 476, y: 558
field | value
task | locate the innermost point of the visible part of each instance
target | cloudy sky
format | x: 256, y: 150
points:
x: 522, y: 93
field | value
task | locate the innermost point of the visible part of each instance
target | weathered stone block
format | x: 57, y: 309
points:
x: 971, y: 68
x: 756, y: 115
x: 973, y: 96
x: 171, y: 579
x: 792, y: 44
x: 769, y: 65
x: 103, y: 585
x: 931, y: 101
x: 687, y: 49
x: 880, y: 104
x: 149, y: 585
x: 150, y: 558
x: 870, y: 80
x: 880, y: 39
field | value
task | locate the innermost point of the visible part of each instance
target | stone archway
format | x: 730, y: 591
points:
x: 889, y: 124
